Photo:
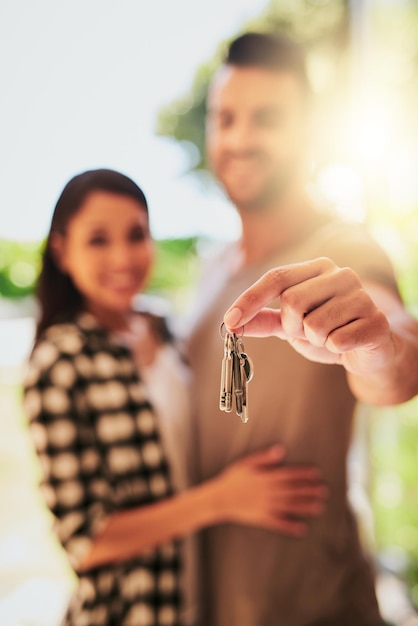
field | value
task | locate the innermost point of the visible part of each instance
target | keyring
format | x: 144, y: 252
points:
x: 236, y: 372
x: 222, y: 326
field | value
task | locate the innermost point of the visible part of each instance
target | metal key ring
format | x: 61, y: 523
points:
x: 222, y: 326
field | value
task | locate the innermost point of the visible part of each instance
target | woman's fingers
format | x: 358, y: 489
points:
x: 271, y: 456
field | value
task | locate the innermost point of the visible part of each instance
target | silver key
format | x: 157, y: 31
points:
x: 245, y: 373
x: 225, y: 399
x: 238, y: 384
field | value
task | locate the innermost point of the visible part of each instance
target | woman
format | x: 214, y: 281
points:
x: 106, y: 397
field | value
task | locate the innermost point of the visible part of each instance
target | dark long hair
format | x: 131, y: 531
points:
x: 57, y: 295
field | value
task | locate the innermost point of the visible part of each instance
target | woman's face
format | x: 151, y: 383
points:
x: 108, y: 252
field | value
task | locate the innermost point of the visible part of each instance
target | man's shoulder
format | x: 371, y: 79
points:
x: 351, y: 244
x: 331, y: 226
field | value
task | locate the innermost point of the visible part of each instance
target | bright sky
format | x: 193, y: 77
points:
x: 81, y: 83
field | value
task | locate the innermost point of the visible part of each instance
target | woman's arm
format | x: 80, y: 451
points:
x: 256, y: 491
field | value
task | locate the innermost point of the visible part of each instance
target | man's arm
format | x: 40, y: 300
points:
x: 328, y: 315
x: 399, y: 381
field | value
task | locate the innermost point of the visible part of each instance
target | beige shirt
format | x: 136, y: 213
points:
x: 255, y: 577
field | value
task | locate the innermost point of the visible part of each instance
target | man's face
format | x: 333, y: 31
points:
x: 256, y: 134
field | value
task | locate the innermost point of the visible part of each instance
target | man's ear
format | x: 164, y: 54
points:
x: 57, y: 246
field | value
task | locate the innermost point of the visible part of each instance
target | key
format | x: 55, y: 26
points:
x: 238, y: 383
x: 246, y: 373
x: 222, y: 391
x: 229, y: 368
x: 222, y: 394
x: 225, y: 399
x: 247, y: 366
x: 244, y: 408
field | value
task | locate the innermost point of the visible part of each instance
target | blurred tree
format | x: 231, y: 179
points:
x: 323, y: 26
x: 19, y: 266
x: 174, y: 269
x: 349, y: 70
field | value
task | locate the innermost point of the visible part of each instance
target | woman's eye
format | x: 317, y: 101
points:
x: 138, y: 234
x: 98, y: 240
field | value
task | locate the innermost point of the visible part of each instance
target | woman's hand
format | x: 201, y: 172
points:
x: 259, y: 490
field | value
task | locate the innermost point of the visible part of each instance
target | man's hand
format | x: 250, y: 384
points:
x: 329, y: 316
x: 325, y: 314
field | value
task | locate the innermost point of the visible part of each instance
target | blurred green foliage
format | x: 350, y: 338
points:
x: 175, y: 271
x: 176, y: 263
x: 323, y: 27
x: 19, y: 267
x: 395, y: 488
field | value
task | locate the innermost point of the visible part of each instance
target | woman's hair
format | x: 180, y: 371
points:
x: 57, y: 295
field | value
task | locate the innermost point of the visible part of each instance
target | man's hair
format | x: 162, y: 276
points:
x: 272, y: 51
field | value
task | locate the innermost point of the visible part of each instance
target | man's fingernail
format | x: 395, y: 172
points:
x: 233, y: 317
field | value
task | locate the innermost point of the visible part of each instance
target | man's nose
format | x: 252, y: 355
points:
x: 243, y: 137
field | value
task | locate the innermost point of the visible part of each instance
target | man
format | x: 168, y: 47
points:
x: 340, y: 344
